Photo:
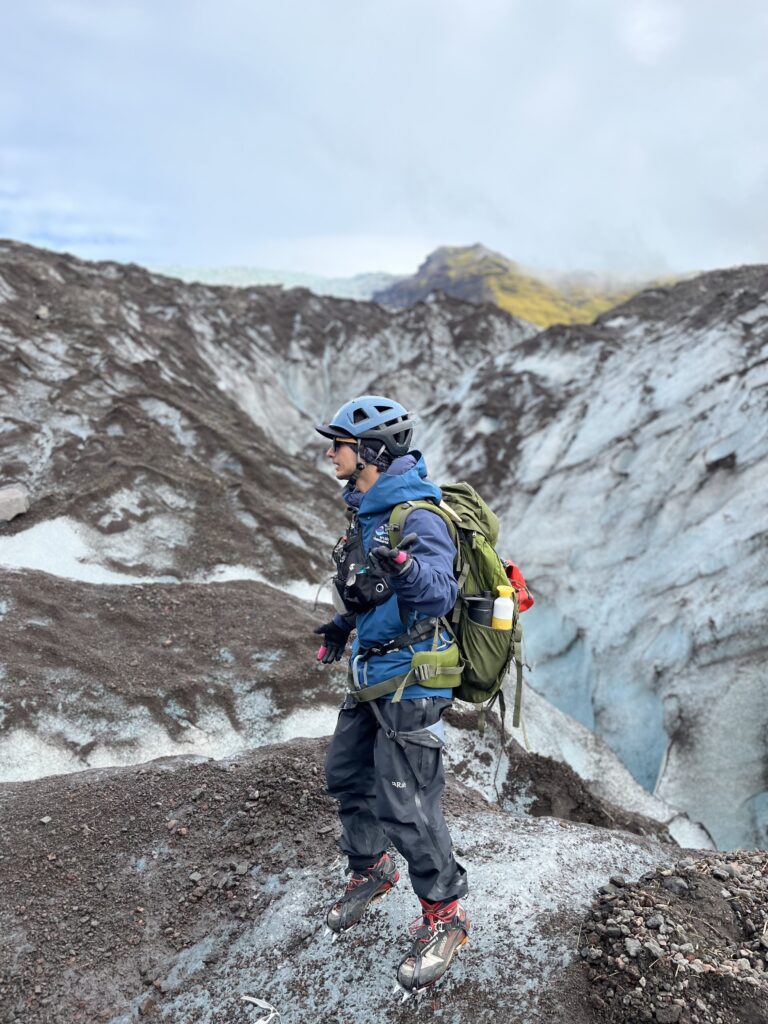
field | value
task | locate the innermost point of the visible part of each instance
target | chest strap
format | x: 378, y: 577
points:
x: 422, y: 629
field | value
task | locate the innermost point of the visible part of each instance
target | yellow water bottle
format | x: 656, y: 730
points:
x: 503, y: 609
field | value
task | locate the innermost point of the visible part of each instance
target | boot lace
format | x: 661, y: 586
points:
x: 356, y: 879
x: 375, y: 871
x: 435, y: 917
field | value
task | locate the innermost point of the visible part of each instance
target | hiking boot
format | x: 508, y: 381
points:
x: 437, y: 934
x: 363, y: 887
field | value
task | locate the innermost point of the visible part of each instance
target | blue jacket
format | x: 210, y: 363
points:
x: 427, y: 589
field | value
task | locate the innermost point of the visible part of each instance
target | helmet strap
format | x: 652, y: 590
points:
x: 360, y: 466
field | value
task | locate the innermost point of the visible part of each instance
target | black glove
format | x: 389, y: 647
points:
x: 334, y: 642
x: 384, y: 561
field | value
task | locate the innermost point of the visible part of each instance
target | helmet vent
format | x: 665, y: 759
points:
x: 359, y: 415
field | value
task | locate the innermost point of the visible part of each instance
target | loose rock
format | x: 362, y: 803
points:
x: 14, y: 501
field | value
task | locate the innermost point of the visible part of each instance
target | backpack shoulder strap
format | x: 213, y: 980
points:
x: 396, y: 529
x: 399, y: 514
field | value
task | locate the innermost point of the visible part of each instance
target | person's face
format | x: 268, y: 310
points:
x: 343, y: 455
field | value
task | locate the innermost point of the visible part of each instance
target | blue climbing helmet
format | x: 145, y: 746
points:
x: 382, y: 422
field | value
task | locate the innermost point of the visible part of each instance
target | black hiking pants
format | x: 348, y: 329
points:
x: 390, y: 791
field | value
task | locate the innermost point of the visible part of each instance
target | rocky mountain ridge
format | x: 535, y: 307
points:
x: 480, y: 275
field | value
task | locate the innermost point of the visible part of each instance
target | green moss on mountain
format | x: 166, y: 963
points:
x: 477, y: 274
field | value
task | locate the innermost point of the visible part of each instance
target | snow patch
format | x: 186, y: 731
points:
x: 131, y: 736
x: 174, y: 499
x: 60, y: 548
x: 755, y: 316
x: 302, y: 589
x: 129, y: 349
x: 226, y: 462
x: 64, y: 547
x: 73, y: 424
x: 289, y: 536
x: 120, y: 503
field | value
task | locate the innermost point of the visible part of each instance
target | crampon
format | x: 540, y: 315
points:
x: 441, y: 931
x: 362, y: 888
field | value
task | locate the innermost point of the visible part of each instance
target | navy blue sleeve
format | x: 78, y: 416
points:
x: 346, y: 622
x: 429, y: 585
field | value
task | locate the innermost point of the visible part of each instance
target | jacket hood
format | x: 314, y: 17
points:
x: 405, y: 480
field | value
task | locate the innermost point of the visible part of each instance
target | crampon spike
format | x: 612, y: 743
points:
x: 416, y: 993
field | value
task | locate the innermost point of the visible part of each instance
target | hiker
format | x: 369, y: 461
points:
x: 384, y: 764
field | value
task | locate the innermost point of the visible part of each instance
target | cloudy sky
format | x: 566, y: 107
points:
x: 345, y: 135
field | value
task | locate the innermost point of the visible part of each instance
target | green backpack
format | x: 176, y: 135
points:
x: 485, y: 653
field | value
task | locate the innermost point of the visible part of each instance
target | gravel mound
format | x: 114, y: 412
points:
x: 683, y: 945
x: 106, y: 876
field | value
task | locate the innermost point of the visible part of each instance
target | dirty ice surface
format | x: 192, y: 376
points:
x: 531, y: 881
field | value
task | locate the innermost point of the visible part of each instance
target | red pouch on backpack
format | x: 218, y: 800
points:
x: 517, y: 580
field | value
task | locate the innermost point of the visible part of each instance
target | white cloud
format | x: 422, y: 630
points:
x: 344, y: 255
x: 89, y: 220
x: 344, y: 137
x: 652, y: 29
